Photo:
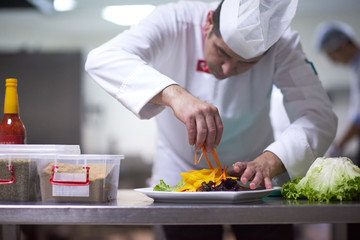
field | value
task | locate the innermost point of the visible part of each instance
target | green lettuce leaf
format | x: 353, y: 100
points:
x: 327, y: 179
x: 162, y: 186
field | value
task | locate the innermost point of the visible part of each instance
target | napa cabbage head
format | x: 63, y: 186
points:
x: 327, y: 179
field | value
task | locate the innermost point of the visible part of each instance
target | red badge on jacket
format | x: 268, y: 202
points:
x: 202, y: 66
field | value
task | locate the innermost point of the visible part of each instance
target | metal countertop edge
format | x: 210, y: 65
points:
x: 154, y: 215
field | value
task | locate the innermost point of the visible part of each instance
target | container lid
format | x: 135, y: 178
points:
x: 90, y: 157
x: 39, y: 148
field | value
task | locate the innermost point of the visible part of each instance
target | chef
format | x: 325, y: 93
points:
x: 206, y: 72
x: 337, y: 41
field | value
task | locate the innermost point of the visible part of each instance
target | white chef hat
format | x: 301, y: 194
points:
x: 331, y: 35
x: 251, y: 27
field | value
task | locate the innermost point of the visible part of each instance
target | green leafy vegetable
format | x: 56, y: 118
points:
x: 162, y: 186
x: 327, y: 179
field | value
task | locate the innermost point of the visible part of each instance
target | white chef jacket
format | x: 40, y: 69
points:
x: 354, y: 109
x: 164, y: 49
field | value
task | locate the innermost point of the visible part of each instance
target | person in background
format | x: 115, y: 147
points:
x: 337, y: 41
x: 206, y: 72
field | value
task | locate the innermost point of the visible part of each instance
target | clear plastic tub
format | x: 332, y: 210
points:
x: 19, y: 180
x: 79, y: 178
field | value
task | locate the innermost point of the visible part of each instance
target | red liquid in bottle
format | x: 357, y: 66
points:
x: 12, y: 130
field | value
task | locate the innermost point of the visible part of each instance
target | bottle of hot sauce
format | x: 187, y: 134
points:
x: 12, y: 130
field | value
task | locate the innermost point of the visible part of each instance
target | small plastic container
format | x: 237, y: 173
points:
x: 79, y: 178
x: 19, y: 180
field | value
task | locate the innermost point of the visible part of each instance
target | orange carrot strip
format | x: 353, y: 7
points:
x: 207, y: 159
x: 224, y: 172
x: 195, y: 157
x: 220, y: 177
x: 214, y: 176
x: 213, y: 152
x: 223, y: 175
x: 200, y: 157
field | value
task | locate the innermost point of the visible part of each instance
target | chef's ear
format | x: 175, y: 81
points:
x: 209, y: 21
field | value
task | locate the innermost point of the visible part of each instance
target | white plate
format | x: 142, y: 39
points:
x: 207, y: 197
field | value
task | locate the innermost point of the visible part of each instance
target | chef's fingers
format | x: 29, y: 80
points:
x: 211, y: 133
x: 219, y: 127
x: 268, y: 183
x: 247, y: 175
x: 237, y: 169
x: 201, y: 131
x: 258, y: 179
x: 191, y: 128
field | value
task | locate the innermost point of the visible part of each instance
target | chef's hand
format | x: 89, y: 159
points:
x: 260, y: 171
x: 334, y: 150
x: 202, y: 120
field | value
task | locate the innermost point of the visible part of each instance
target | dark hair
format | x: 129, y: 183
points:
x: 335, y: 37
x: 216, y: 21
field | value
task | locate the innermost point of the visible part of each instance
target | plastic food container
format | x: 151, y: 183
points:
x: 79, y: 178
x: 18, y: 177
x: 18, y: 172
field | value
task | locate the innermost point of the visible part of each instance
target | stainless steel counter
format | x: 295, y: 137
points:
x: 134, y: 208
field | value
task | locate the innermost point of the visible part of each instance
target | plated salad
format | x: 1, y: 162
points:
x: 204, y: 180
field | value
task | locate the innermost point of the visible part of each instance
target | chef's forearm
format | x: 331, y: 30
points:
x: 168, y: 95
x: 351, y: 131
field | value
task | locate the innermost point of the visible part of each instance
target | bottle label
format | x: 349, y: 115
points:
x: 12, y: 139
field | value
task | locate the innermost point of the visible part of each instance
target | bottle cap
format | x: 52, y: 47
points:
x: 11, y: 82
x: 11, y: 98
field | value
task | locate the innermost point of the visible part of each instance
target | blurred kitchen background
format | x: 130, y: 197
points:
x: 44, y: 43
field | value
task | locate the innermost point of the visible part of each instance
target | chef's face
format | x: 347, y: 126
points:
x: 338, y: 56
x: 221, y: 60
